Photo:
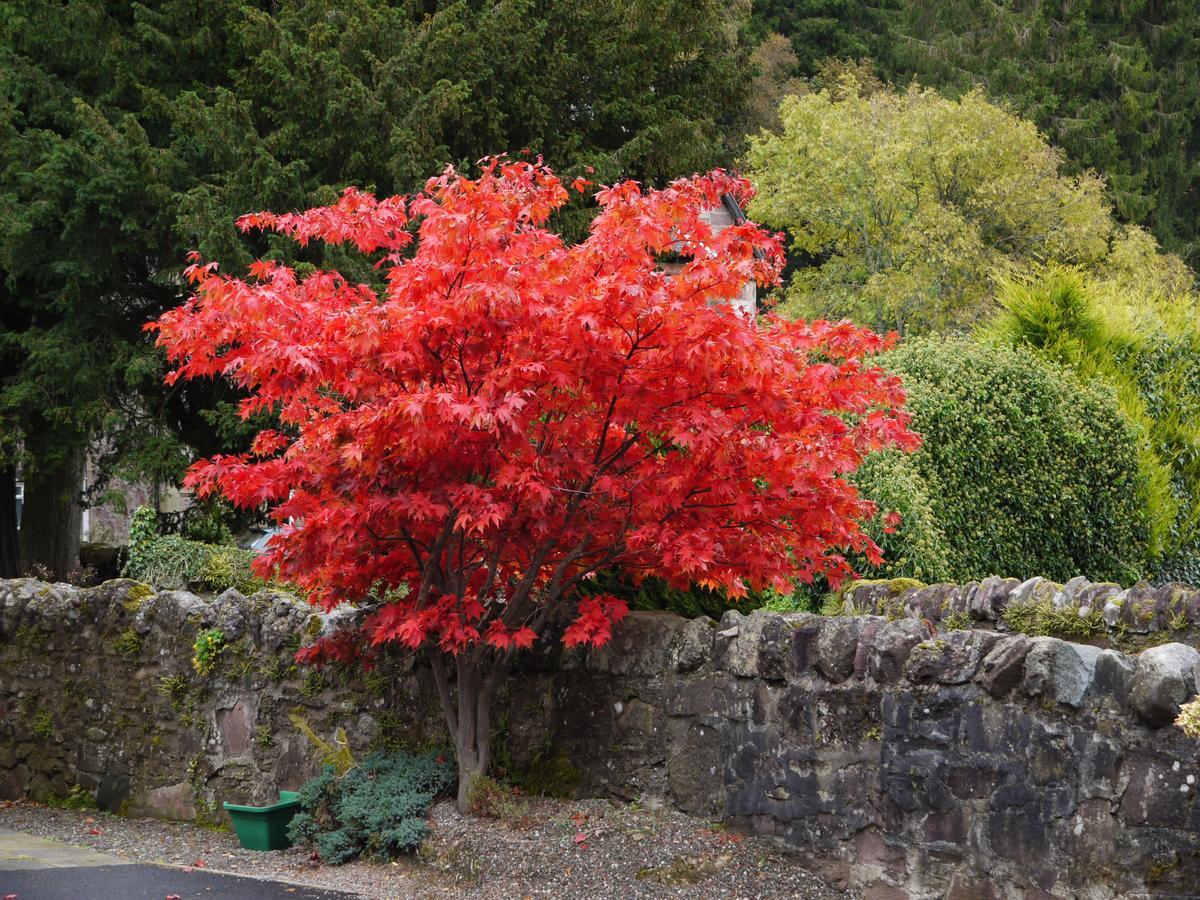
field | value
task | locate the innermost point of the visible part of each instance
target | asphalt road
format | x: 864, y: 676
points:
x: 146, y: 882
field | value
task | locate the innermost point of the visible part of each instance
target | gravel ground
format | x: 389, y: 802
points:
x: 539, y: 848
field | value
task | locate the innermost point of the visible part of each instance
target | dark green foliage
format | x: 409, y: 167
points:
x: 917, y: 547
x: 1115, y: 84
x: 174, y: 562
x: 376, y: 810
x: 1027, y: 470
x: 654, y: 593
x: 820, y: 29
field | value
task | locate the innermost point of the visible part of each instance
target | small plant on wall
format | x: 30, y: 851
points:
x: 207, y: 649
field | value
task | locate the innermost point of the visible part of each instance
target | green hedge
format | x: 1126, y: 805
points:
x: 917, y: 548
x: 1026, y: 469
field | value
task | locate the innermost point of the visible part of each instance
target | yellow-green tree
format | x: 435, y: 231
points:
x: 907, y: 209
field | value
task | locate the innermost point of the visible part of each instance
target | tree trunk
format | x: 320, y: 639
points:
x: 467, y: 707
x: 51, y: 518
x: 472, y: 740
x: 10, y: 560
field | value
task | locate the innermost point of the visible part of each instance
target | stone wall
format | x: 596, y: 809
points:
x: 903, y: 760
x: 1098, y: 612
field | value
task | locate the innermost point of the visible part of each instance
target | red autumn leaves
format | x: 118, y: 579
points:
x: 503, y: 414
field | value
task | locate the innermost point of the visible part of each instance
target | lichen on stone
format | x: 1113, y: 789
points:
x: 1189, y: 718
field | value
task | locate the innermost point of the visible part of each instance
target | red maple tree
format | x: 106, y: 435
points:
x: 505, y: 415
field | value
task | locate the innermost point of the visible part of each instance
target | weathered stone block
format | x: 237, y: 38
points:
x: 1020, y: 833
x: 970, y: 887
x: 1090, y: 836
x: 953, y: 658
x: 235, y: 727
x: 837, y: 644
x: 692, y: 647
x: 1114, y: 675
x: 712, y: 695
x: 866, y: 645
x: 774, y: 636
x: 112, y: 792
x: 1067, y: 597
x: 886, y: 892
x: 1139, y: 611
x: 1038, y: 677
x: 875, y: 855
x: 173, y: 801
x: 1157, y: 792
x: 914, y: 782
x: 1166, y: 677
x: 642, y: 648
x: 949, y: 827
x: 14, y: 783
x: 1004, y: 665
x: 695, y: 764
x: 1023, y: 592
x: 891, y: 646
x: 804, y: 646
x: 1074, y: 672
x: 1098, y: 758
x: 990, y: 598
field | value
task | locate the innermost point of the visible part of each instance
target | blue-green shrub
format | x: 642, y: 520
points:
x: 376, y: 810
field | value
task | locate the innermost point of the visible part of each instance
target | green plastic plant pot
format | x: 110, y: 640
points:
x: 265, y: 827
